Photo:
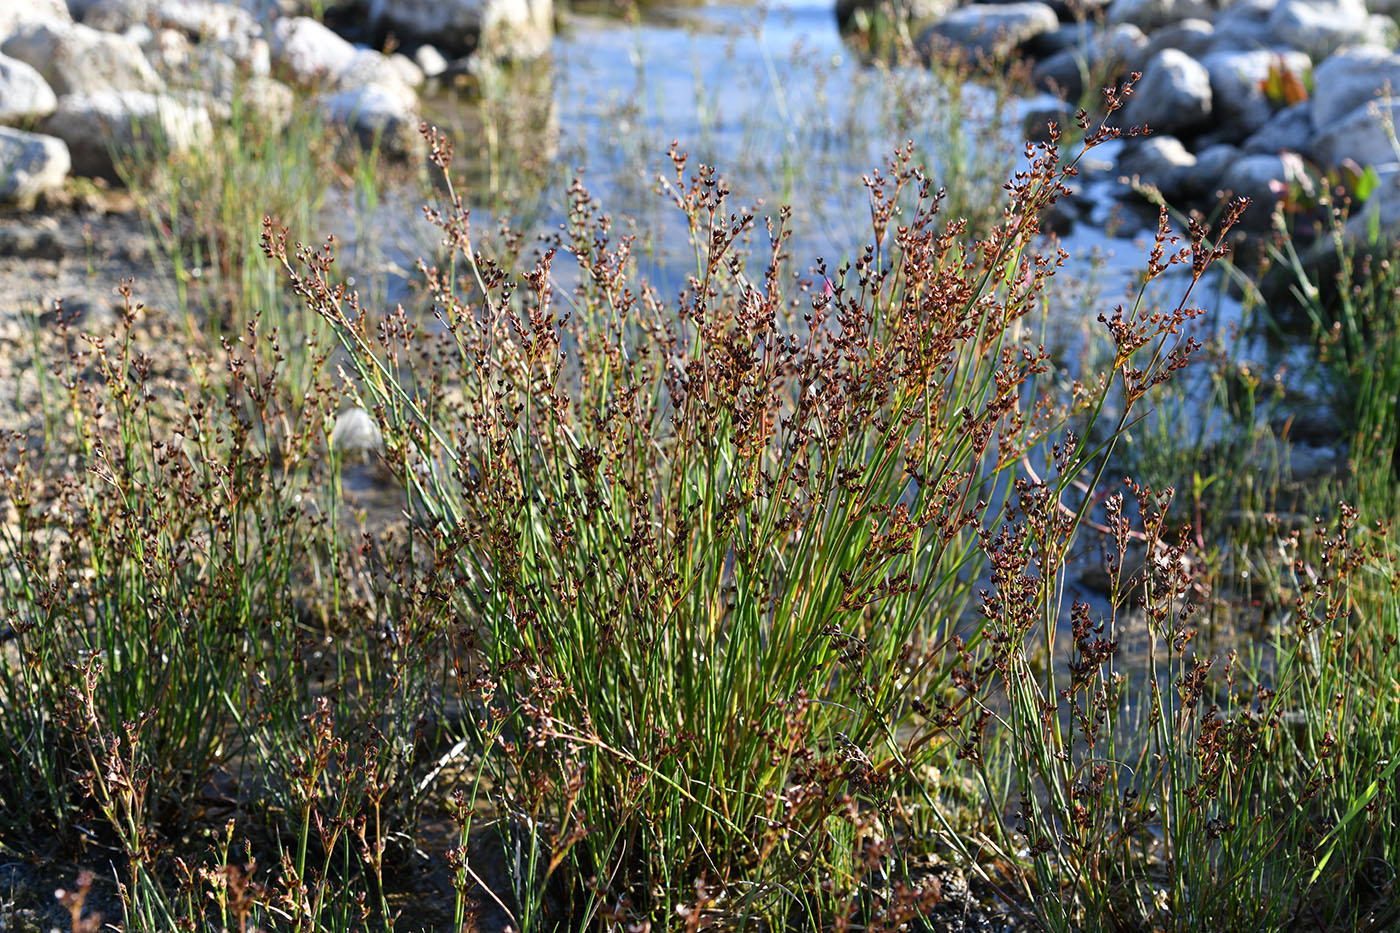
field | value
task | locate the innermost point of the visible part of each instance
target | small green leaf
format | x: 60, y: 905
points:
x: 1367, y: 183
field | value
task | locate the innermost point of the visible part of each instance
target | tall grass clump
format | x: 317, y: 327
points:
x: 201, y: 669
x: 752, y: 606
x: 714, y: 556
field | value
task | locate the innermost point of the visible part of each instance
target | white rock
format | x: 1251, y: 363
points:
x: 430, y: 60
x: 1243, y: 26
x: 24, y: 94
x: 914, y: 12
x: 258, y: 101
x: 377, y: 114
x: 1288, y: 130
x: 308, y: 51
x: 1192, y: 36
x: 17, y: 13
x: 74, y: 58
x: 30, y: 164
x: 409, y: 72
x: 1173, y: 94
x: 1237, y: 78
x: 1151, y: 15
x: 1156, y: 160
x: 1381, y: 211
x: 1066, y: 36
x: 1351, y: 78
x: 370, y: 67
x: 95, y: 124
x: 1265, y: 180
x: 209, y: 20
x: 1202, y: 179
x: 117, y: 15
x: 1360, y: 136
x: 1066, y: 70
x: 510, y: 29
x: 166, y: 49
x: 1319, y: 27
x: 205, y: 20
x: 267, y: 100
x: 356, y: 432
x: 986, y: 30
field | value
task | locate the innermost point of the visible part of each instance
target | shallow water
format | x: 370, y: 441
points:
x: 791, y: 115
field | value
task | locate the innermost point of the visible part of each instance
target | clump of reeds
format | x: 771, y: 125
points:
x: 743, y: 607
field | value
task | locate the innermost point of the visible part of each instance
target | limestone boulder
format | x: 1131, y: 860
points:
x: 1151, y: 15
x: 95, y: 125
x: 1265, y: 179
x: 24, y: 94
x: 1361, y: 136
x: 307, y: 51
x: 30, y: 165
x: 987, y: 30
x: 1237, y: 80
x: 1173, y: 95
x: 17, y: 13
x: 1350, y: 78
x: 504, y: 29
x: 378, y: 114
x: 1319, y: 27
x: 76, y: 59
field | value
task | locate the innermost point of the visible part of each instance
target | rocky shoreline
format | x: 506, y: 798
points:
x: 1266, y: 99
x: 79, y: 80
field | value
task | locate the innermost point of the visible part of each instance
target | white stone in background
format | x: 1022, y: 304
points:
x: 267, y: 100
x: 30, y: 164
x: 1243, y: 26
x: 74, y: 58
x: 1155, y: 160
x: 1351, y: 78
x: 370, y: 67
x: 430, y: 60
x: 356, y: 432
x: 16, y: 13
x: 118, y: 15
x: 168, y: 50
x: 1381, y: 211
x: 24, y: 94
x: 1384, y: 30
x: 205, y: 20
x: 308, y: 51
x: 1265, y: 180
x: 914, y: 12
x: 1360, y: 136
x: 1151, y: 15
x: 509, y: 29
x: 1172, y: 96
x: 1192, y: 36
x: 1072, y: 36
x: 381, y: 113
x: 92, y: 124
x: 1289, y: 129
x: 1319, y: 27
x: 1236, y: 78
x: 258, y: 100
x: 1202, y: 180
x: 209, y: 20
x: 1118, y: 46
x: 220, y: 73
x: 989, y: 30
x: 409, y: 72
x: 1121, y: 45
